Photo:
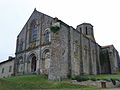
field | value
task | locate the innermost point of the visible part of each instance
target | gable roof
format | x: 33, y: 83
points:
x: 7, y: 60
x: 35, y: 11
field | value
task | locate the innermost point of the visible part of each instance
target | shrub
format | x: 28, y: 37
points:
x: 118, y: 79
x: 113, y: 81
x: 73, y: 78
x: 107, y: 79
x: 54, y: 29
x: 93, y: 79
x: 98, y: 79
x: 81, y: 78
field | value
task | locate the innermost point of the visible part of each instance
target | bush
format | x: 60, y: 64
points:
x: 81, y: 78
x: 93, y: 79
x: 98, y: 79
x: 73, y: 78
x: 54, y: 29
x: 113, y: 81
x: 107, y: 79
x: 118, y: 79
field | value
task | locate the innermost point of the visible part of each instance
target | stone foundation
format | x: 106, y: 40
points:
x: 98, y: 84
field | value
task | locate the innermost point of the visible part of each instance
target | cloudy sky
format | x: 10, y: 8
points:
x: 104, y: 15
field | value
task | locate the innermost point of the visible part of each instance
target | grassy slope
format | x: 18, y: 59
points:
x: 37, y: 82
x: 104, y: 76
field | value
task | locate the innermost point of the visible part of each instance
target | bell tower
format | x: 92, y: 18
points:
x: 87, y: 30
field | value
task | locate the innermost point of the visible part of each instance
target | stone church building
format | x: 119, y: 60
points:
x: 47, y: 45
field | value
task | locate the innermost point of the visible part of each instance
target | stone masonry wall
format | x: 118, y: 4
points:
x: 7, y: 68
x: 75, y: 52
x: 59, y: 54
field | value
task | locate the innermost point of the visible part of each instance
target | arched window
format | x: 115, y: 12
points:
x: 21, y: 45
x: 10, y: 68
x: 86, y: 30
x: 47, y: 36
x: 75, y: 45
x: 2, y: 70
x: 34, y: 31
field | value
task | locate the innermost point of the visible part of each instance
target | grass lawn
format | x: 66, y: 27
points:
x: 38, y: 82
x: 104, y: 76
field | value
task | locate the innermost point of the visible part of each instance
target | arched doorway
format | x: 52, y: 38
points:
x: 33, y: 63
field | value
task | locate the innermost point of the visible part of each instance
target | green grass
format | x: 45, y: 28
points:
x: 38, y: 82
x: 104, y: 76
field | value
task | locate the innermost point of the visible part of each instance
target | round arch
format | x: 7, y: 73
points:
x: 46, y: 61
x: 47, y: 35
x: 32, y: 63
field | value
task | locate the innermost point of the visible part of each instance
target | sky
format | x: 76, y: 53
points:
x: 104, y: 15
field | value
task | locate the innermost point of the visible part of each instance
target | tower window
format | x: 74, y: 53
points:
x: 86, y: 30
x: 80, y: 29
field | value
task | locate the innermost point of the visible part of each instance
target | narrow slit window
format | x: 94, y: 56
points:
x: 86, y: 31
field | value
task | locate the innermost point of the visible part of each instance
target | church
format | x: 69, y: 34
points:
x: 48, y: 46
